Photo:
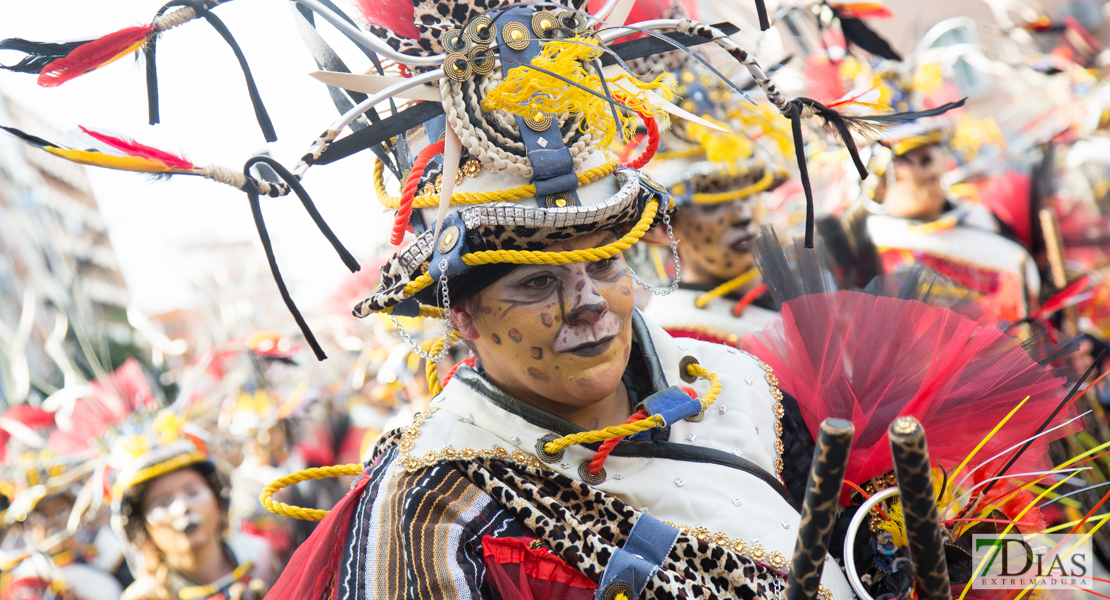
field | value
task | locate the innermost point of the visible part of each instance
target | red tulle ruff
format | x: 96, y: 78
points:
x: 520, y: 572
x: 870, y: 359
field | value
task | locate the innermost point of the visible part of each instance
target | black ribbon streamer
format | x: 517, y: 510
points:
x: 202, y: 9
x: 761, y: 11
x: 264, y: 236
x: 840, y: 122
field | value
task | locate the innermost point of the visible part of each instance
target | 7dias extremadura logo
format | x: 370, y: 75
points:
x: 1046, y: 562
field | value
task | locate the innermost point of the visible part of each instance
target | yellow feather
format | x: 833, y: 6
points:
x: 531, y: 93
x: 109, y: 161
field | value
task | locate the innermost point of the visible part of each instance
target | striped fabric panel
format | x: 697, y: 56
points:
x: 418, y: 536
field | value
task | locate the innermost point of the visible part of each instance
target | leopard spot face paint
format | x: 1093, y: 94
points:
x: 575, y: 320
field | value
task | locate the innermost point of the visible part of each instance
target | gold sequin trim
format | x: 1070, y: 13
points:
x: 754, y: 551
x: 431, y: 458
x: 824, y: 593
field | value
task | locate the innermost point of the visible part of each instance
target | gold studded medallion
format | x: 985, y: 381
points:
x: 516, y: 35
x: 448, y: 239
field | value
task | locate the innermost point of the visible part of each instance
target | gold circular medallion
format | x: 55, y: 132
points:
x: 448, y: 239
x: 516, y: 35
x: 481, y: 30
x: 589, y: 478
x: 481, y: 60
x: 538, y: 122
x: 560, y: 200
x: 572, y: 21
x: 544, y: 24
x: 457, y: 67
x: 616, y: 590
x: 684, y: 369
x: 651, y: 183
x: 454, y: 41
x: 544, y: 455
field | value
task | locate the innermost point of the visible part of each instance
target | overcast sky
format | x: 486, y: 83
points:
x: 207, y: 115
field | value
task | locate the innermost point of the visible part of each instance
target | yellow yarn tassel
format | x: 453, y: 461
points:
x: 533, y: 94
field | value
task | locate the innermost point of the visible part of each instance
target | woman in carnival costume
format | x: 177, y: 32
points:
x: 510, y: 484
x: 170, y: 505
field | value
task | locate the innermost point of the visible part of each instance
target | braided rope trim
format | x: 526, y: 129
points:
x: 511, y: 195
x: 297, y: 512
x: 726, y: 288
x: 600, y: 435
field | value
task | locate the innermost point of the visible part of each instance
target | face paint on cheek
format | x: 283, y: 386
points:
x: 496, y: 339
x: 515, y: 336
x: 538, y: 374
x: 546, y: 319
x: 537, y: 353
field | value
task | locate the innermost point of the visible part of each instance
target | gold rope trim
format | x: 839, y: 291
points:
x: 539, y: 257
x: 762, y: 185
x: 600, y: 435
x: 297, y: 512
x: 726, y: 288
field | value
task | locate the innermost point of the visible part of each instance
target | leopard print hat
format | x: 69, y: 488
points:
x: 533, y: 166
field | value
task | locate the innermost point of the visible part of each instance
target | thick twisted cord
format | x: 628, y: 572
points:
x: 600, y: 435
x: 404, y: 211
x: 652, y: 145
x: 297, y: 512
x: 512, y: 195
x: 607, y: 446
x: 431, y: 370
x: 760, y: 186
x: 726, y: 288
x: 537, y: 257
x: 532, y: 257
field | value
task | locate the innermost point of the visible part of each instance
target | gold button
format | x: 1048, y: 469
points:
x: 516, y: 34
x: 448, y: 239
x: 560, y: 202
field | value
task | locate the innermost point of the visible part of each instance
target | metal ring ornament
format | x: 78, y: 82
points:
x: 457, y: 67
x: 589, y: 478
x: 573, y: 21
x: 455, y: 40
x: 850, y: 538
x: 481, y: 30
x: 544, y: 24
x: 482, y: 60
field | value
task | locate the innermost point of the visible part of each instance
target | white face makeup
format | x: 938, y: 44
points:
x: 181, y: 513
x: 557, y: 335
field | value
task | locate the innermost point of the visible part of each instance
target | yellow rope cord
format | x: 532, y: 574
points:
x: 531, y: 257
x: 431, y: 370
x: 538, y: 257
x: 726, y: 288
x: 434, y: 312
x: 519, y: 193
x: 296, y: 512
x: 760, y: 186
x: 589, y: 437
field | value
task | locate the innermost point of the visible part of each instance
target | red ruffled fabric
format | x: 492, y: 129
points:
x: 315, y: 564
x: 520, y: 572
x: 870, y: 359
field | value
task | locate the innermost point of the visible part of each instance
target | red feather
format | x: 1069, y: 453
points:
x: 94, y: 55
x: 133, y: 148
x: 397, y: 16
x: 1061, y: 298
